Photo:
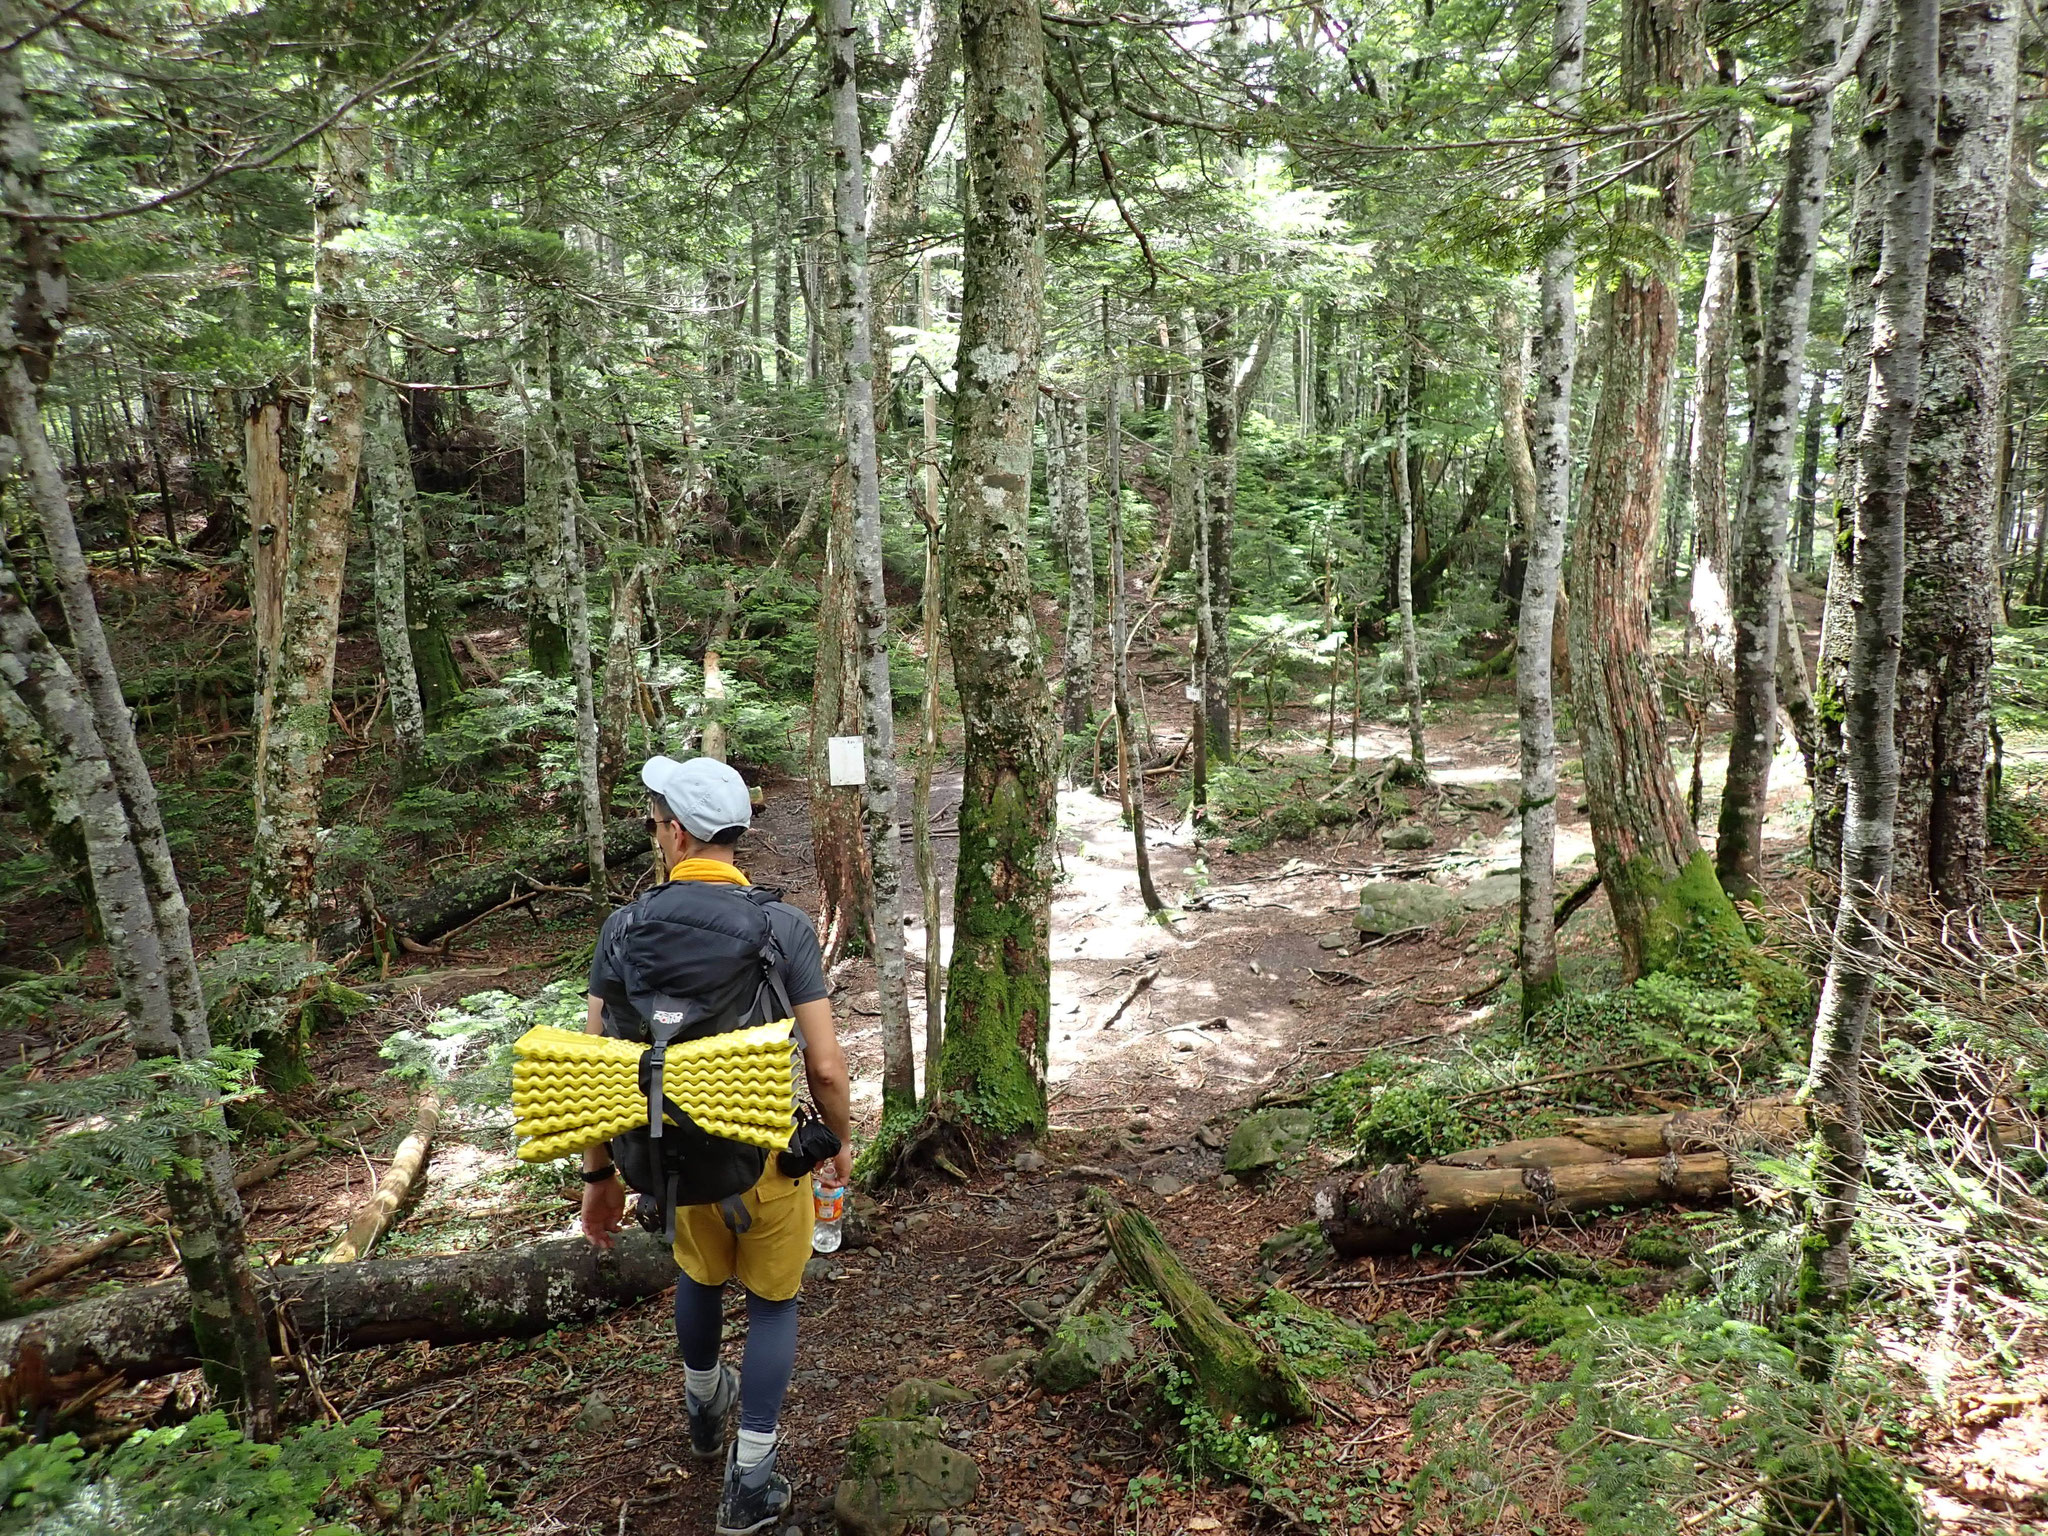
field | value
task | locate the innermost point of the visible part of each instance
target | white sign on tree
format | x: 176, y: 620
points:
x: 846, y: 761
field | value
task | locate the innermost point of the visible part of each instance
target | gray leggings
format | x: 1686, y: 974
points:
x: 768, y: 1360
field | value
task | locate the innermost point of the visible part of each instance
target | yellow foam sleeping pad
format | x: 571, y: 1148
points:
x: 571, y: 1091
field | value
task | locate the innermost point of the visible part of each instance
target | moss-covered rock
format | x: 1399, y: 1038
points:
x: 1394, y: 906
x: 1267, y: 1138
x: 1082, y: 1350
x: 899, y: 1473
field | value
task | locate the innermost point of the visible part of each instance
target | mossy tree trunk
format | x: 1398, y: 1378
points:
x: 1404, y: 571
x: 1884, y: 444
x: 1944, y: 706
x: 1238, y: 1375
x: 1660, y: 885
x: 291, y: 754
x: 998, y: 987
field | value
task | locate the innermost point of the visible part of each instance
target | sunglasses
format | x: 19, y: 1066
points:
x: 651, y: 822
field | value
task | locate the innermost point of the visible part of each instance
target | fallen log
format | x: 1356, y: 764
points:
x: 464, y: 1298
x: 445, y: 907
x: 1238, y: 1375
x: 1392, y: 1210
x: 1765, y: 1123
x: 375, y: 1213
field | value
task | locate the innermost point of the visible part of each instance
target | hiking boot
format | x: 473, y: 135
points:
x: 753, y: 1499
x: 707, y: 1420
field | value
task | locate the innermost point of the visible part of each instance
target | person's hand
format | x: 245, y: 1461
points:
x: 836, y: 1171
x: 604, y: 1211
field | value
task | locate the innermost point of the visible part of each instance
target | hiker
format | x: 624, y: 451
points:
x: 709, y: 947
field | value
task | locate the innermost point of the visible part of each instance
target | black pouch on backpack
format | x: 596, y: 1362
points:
x: 813, y: 1142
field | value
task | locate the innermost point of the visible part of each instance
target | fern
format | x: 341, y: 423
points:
x: 200, y: 1478
x: 79, y: 1144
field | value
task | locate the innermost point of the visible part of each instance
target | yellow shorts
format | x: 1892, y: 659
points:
x: 769, y: 1257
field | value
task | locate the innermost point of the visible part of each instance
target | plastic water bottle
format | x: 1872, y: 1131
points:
x: 829, y: 1207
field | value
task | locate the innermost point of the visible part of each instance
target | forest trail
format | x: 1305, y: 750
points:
x: 1259, y: 987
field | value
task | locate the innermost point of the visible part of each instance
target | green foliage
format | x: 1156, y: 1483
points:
x: 1392, y: 1108
x: 1695, y: 1030
x: 2019, y: 678
x: 271, y: 998
x: 78, y: 1145
x: 200, y: 1478
x: 466, y: 1050
x: 28, y: 999
x: 1666, y: 1421
x: 1314, y: 1343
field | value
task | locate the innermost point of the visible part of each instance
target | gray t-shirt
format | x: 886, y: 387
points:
x: 803, y: 963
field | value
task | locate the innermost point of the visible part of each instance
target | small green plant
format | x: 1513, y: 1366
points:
x: 78, y: 1145
x: 200, y: 1478
x: 1387, y: 1109
x: 1665, y: 1423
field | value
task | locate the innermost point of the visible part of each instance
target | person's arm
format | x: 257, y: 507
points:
x: 831, y: 1087
x: 604, y: 1203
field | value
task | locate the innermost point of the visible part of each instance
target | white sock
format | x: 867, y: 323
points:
x: 701, y: 1385
x: 754, y: 1447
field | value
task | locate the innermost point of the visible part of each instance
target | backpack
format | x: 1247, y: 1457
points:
x: 696, y: 959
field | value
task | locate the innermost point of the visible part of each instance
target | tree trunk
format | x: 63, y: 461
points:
x: 1944, y: 698
x: 1659, y: 885
x: 630, y: 583
x: 1795, y: 692
x: 1404, y: 579
x: 1066, y: 488
x: 394, y: 1189
x: 1884, y: 446
x: 37, y: 788
x: 1767, y: 482
x: 88, y: 725
x: 1219, y: 510
x: 205, y: 1215
x: 1838, y: 615
x: 562, y: 558
x: 928, y: 745
x: 464, y: 1298
x: 1237, y: 1375
x: 1183, y: 470
x: 835, y: 711
x: 291, y: 752
x: 270, y: 539
x: 1707, y: 470
x: 387, y: 475
x: 1514, y: 440
x: 1129, y: 758
x: 871, y: 604
x: 786, y: 370
x: 1555, y: 356
x: 998, y: 988
x: 1809, y: 474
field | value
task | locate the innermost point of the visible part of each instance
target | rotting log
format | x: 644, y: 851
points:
x: 465, y: 1298
x: 1394, y: 1209
x: 1238, y: 1375
x: 447, y: 906
x: 375, y: 1213
x: 1585, y: 1140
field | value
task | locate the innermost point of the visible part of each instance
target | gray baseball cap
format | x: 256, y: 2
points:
x: 705, y: 795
